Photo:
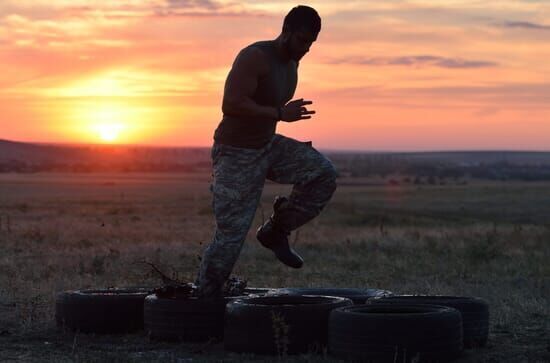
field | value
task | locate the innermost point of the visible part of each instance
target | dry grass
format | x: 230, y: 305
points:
x: 60, y: 232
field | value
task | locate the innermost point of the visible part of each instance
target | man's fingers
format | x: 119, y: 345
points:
x: 304, y: 117
x: 308, y: 112
x: 301, y: 102
x: 305, y: 110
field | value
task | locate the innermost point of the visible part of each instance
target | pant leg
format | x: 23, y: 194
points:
x: 313, y: 177
x: 239, y: 176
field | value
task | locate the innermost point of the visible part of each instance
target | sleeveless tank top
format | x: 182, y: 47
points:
x: 274, y: 89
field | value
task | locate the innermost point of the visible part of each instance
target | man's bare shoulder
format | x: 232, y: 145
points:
x: 253, y: 57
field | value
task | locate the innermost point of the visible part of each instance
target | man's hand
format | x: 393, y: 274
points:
x: 296, y: 110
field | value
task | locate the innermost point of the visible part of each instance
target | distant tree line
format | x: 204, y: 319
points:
x: 90, y: 167
x: 383, y: 165
x: 430, y: 170
x: 505, y: 171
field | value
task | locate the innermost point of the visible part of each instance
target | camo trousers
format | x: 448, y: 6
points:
x: 238, y: 179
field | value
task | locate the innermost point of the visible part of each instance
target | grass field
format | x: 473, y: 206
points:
x: 72, y: 231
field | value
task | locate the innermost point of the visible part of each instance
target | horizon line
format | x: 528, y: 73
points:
x: 324, y: 149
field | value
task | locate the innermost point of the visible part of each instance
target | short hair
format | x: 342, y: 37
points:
x: 302, y: 16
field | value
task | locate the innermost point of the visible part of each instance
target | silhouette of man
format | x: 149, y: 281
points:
x: 247, y: 150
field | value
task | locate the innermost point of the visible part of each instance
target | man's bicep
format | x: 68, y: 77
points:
x: 243, y: 77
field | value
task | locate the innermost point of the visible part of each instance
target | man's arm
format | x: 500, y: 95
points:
x: 241, y: 84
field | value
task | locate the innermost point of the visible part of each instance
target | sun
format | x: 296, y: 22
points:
x: 106, y: 109
x: 109, y: 132
x: 109, y: 122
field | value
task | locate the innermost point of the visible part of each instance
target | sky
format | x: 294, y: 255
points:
x: 382, y: 75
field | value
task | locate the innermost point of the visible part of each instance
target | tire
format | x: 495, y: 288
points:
x: 279, y: 324
x: 258, y: 291
x: 395, y: 333
x: 190, y: 319
x: 102, y: 311
x: 358, y: 296
x: 475, y: 313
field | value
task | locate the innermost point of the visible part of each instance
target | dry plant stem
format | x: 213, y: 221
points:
x: 165, y: 279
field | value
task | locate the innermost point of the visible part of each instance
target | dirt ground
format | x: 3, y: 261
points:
x: 71, y: 231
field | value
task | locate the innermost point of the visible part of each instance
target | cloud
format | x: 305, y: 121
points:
x: 167, y: 8
x: 81, y: 10
x: 415, y: 61
x: 524, y: 25
x: 502, y: 96
x: 443, y: 13
x: 198, y: 14
x: 201, y: 8
x: 208, y: 4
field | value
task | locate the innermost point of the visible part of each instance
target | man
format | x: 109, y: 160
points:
x: 247, y: 150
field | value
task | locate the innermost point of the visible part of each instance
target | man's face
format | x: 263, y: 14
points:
x: 299, y: 42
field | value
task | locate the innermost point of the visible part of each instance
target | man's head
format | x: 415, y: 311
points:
x: 300, y: 29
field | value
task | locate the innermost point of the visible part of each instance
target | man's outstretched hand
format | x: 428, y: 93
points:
x: 296, y: 110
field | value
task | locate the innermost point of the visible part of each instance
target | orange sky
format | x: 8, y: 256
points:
x: 383, y: 75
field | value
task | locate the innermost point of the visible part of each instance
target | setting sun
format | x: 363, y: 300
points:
x: 109, y: 132
x: 108, y: 121
x: 113, y: 121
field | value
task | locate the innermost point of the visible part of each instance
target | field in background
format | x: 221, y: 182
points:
x: 69, y: 231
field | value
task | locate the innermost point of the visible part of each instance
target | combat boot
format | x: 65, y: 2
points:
x: 275, y: 238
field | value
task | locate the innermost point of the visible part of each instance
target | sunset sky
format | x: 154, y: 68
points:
x: 383, y: 75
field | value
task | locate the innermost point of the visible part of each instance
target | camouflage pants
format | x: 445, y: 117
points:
x: 239, y: 177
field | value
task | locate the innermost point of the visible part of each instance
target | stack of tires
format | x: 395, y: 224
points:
x: 367, y: 325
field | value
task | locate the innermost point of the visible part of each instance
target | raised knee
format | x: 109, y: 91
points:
x: 327, y: 178
x: 329, y: 173
x: 324, y: 174
x: 332, y: 172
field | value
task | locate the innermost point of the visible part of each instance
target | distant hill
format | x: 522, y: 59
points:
x: 502, y: 165
x: 21, y: 156
x: 460, y: 157
x: 494, y: 165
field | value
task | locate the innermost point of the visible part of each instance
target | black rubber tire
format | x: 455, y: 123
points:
x: 102, y: 311
x: 188, y: 320
x: 256, y: 325
x: 258, y: 291
x: 475, y: 313
x: 395, y: 333
x: 358, y: 296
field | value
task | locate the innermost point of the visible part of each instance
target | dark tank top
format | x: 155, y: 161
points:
x: 274, y: 89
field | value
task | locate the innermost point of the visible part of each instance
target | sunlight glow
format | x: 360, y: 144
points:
x: 109, y: 132
x: 108, y: 121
